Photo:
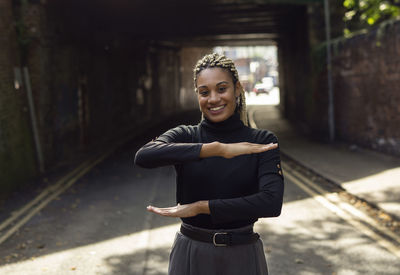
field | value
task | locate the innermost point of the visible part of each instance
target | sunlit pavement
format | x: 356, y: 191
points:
x: 372, y: 176
x: 305, y: 239
x: 272, y: 98
x: 100, y: 226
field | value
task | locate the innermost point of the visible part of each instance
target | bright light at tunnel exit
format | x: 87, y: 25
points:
x: 258, y: 72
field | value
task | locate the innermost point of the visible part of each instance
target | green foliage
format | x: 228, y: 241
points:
x: 363, y: 13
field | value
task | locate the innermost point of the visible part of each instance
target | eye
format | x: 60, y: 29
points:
x: 203, y: 93
x: 222, y: 89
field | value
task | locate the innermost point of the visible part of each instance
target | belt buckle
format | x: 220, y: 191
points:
x: 219, y: 233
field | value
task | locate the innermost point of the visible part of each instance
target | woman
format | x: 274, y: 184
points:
x: 228, y: 176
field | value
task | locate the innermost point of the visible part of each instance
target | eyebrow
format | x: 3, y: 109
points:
x: 219, y: 83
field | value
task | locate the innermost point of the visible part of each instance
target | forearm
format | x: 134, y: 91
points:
x: 155, y: 153
x: 182, y: 210
x: 213, y: 149
x: 202, y: 207
x: 231, y: 150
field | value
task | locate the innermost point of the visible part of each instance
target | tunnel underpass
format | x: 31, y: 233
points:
x: 99, y: 69
x: 104, y: 77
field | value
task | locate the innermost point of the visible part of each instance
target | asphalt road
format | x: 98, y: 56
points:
x: 100, y: 226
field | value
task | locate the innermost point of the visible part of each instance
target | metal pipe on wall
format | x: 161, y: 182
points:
x: 331, y: 114
x: 32, y: 112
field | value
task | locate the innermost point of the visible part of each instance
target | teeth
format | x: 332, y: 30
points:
x: 217, y: 108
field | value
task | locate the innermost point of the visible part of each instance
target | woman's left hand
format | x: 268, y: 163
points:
x: 182, y: 211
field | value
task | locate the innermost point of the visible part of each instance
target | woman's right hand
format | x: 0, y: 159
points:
x: 231, y: 150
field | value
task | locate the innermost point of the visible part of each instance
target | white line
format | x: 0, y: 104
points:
x: 345, y: 216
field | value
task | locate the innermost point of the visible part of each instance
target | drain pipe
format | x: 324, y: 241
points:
x: 32, y: 112
x: 331, y: 111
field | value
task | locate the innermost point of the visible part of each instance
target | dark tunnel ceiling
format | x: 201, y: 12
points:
x: 183, y: 20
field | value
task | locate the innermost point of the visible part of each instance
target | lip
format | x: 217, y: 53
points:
x: 217, y: 112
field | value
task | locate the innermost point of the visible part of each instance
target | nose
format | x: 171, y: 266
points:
x: 214, y: 97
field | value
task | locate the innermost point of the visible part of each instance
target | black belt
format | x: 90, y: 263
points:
x: 221, y: 238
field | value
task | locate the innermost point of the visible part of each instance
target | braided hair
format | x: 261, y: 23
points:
x: 221, y: 61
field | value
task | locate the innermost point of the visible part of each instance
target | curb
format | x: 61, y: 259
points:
x: 330, y: 181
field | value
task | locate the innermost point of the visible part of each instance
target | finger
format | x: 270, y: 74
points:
x: 161, y: 208
x: 154, y: 209
x: 161, y: 212
x: 168, y: 211
x: 270, y: 146
x: 265, y: 147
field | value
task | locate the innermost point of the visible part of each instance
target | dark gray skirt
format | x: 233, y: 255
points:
x: 191, y: 257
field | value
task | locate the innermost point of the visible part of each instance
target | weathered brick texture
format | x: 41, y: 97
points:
x: 367, y: 88
x: 17, y: 162
x: 188, y: 59
x: 90, y: 87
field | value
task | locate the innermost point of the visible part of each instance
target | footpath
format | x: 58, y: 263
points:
x: 369, y: 175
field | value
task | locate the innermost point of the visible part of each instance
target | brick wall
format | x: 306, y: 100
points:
x: 189, y: 57
x: 17, y: 155
x: 302, y: 63
x: 366, y: 81
x: 90, y: 87
x: 367, y: 88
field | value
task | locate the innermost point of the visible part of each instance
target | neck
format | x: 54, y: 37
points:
x: 230, y: 124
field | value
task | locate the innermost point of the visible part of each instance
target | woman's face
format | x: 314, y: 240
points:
x: 217, y: 94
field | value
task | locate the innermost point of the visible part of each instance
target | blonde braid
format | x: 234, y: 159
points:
x: 215, y: 60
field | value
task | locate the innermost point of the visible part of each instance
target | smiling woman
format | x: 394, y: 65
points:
x: 219, y: 71
x: 228, y: 176
x: 217, y: 94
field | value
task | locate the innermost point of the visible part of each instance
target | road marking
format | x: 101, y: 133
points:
x: 342, y: 210
x: 346, y: 211
x: 334, y: 198
x: 48, y: 190
x: 51, y: 192
x: 47, y: 195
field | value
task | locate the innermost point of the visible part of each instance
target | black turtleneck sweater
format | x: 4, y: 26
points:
x: 239, y: 190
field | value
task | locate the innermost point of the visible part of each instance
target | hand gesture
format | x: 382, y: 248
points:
x: 231, y: 150
x: 182, y: 211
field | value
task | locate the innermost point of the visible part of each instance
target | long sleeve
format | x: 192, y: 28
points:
x: 172, y: 147
x: 267, y: 202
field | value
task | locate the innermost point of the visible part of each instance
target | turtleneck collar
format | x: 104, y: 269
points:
x: 230, y: 124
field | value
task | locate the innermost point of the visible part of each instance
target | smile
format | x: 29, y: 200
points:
x: 217, y: 108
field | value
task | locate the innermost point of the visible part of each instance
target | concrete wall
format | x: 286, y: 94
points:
x: 302, y: 64
x: 294, y: 66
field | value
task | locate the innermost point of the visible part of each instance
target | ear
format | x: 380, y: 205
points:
x: 238, y: 88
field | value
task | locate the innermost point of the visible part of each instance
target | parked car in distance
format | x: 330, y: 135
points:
x: 264, y: 87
